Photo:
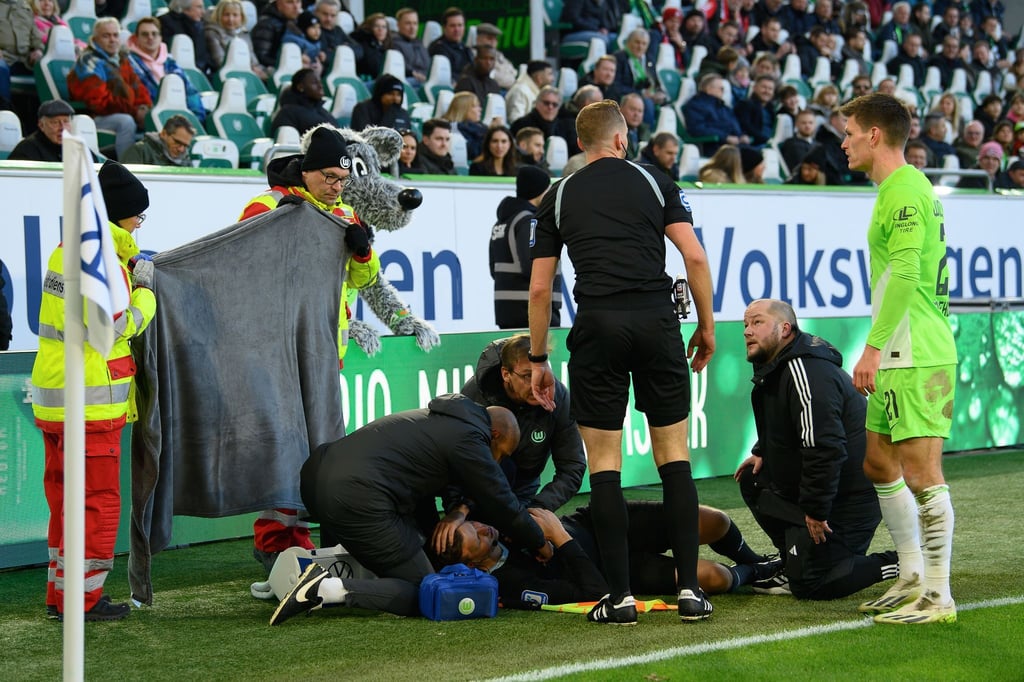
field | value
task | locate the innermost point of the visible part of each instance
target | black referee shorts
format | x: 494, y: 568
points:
x: 608, y: 346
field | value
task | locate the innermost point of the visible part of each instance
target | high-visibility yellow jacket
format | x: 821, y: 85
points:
x: 359, y: 272
x: 108, y: 380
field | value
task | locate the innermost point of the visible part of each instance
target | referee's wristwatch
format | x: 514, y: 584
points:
x: 536, y: 358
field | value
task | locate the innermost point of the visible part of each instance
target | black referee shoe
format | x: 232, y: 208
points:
x: 694, y: 605
x: 623, y: 613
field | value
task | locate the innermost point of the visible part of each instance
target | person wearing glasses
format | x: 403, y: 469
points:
x: 317, y: 176
x: 544, y: 115
x: 503, y: 378
x: 170, y: 147
x: 44, y: 143
x: 108, y: 402
x: 151, y: 61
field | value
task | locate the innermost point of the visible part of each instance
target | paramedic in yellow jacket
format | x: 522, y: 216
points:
x: 318, y: 176
x: 108, y: 400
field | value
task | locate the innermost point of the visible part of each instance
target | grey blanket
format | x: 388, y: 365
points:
x: 238, y: 374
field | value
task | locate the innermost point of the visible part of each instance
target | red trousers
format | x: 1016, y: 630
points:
x: 278, y: 529
x: 102, y: 511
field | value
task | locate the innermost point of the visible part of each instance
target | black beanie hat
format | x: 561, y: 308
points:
x: 750, y: 158
x: 327, y: 149
x: 531, y: 181
x: 123, y: 194
x: 387, y: 83
x: 307, y: 19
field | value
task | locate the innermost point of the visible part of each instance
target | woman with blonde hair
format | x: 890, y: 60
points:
x: 225, y: 23
x: 47, y: 15
x: 465, y: 111
x: 825, y: 100
x: 949, y: 107
x: 724, y: 167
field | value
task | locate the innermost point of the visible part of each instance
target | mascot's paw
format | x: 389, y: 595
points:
x: 410, y: 325
x: 364, y: 336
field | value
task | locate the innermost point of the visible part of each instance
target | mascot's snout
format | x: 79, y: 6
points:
x: 410, y: 198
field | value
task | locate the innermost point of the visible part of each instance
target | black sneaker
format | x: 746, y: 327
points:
x: 105, y: 609
x: 767, y: 569
x: 777, y: 584
x: 303, y: 597
x: 51, y: 612
x: 623, y: 613
x: 694, y: 606
x: 267, y: 559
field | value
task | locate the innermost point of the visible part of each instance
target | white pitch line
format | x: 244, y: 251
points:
x: 739, y: 642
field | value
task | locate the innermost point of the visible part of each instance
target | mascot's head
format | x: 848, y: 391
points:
x: 377, y: 201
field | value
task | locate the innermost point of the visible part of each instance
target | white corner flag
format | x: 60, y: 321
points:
x: 92, y: 273
x: 85, y: 223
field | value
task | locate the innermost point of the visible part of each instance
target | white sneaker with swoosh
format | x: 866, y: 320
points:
x: 303, y: 597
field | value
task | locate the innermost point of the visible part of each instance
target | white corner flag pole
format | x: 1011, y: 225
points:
x: 88, y: 257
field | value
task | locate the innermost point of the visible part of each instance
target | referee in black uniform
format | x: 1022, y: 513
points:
x: 613, y: 216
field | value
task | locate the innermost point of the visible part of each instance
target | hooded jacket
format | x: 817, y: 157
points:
x: 300, y: 112
x: 810, y: 428
x: 372, y: 112
x: 396, y: 462
x: 543, y: 435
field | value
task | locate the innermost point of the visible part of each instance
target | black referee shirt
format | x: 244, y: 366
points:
x: 611, y: 215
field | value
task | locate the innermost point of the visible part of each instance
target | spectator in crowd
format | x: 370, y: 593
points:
x: 499, y: 157
x: 765, y: 10
x: 672, y: 24
x: 817, y: 45
x: 707, y: 115
x: 186, y: 17
x: 504, y: 71
x: 915, y: 126
x: 921, y: 24
x: 104, y: 79
x: 853, y: 48
x: 724, y: 167
x: 47, y: 15
x: 830, y: 135
x: 789, y: 103
x: 982, y: 9
x: 384, y: 108
x: 1015, y: 113
x: 982, y: 60
x: 910, y: 53
x: 301, y: 105
x: 825, y: 100
x: 804, y: 481
x: 521, y: 96
x: 768, y: 39
x: 823, y: 16
x: 1003, y: 134
x: 530, y: 145
x: 333, y: 36
x: 464, y: 113
x: 948, y: 60
x: 898, y: 27
x: 886, y: 86
x: 433, y: 155
x: 584, y: 95
x: 968, y: 145
x: 1012, y: 178
x: 151, y: 62
x: 227, y: 23
x: 934, y: 137
x: 1018, y: 138
x: 860, y: 86
x: 449, y: 44
x: 810, y: 170
x: 375, y: 38
x: 637, y: 131
x: 586, y: 19
x: 169, y: 147
x: 988, y: 113
x: 739, y: 77
x: 662, y: 152
x: 992, y: 31
x: 407, y: 41
x: 635, y: 72
x: 990, y: 160
x: 544, y: 114
x: 477, y: 79
x: 20, y: 45
x: 111, y: 8
x: 753, y: 165
x: 603, y: 76
x: 949, y: 26
x: 407, y: 164
x: 308, y: 42
x: 854, y: 16
x: 44, y: 143
x: 276, y: 18
x: 695, y: 32
x: 948, y: 107
x: 795, y: 148
x: 796, y: 19
x: 756, y: 114
x: 917, y: 154
x: 968, y: 31
x: 727, y: 34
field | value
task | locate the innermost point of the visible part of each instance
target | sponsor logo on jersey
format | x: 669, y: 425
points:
x: 533, y: 231
x: 905, y: 219
x: 684, y: 202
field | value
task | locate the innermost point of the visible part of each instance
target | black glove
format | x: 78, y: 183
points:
x: 290, y: 199
x: 357, y: 240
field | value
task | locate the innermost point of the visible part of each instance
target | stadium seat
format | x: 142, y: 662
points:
x: 420, y: 112
x: 958, y: 84
x: 556, y: 152
x: 629, y: 22
x: 431, y: 32
x: 470, y: 36
x: 668, y: 122
x: 394, y: 64
x: 184, y: 53
x: 983, y: 87
x: 238, y: 65
x: 287, y: 135
x: 791, y: 68
x: 696, y: 57
x: 137, y: 9
x: 689, y: 162
x: 10, y: 132
x: 459, y: 154
x: 213, y: 152
x: 666, y: 57
x: 346, y: 21
x: 879, y: 73
x: 822, y: 74
x: 84, y: 127
x: 288, y: 62
x: 932, y: 85
x: 851, y: 69
x: 495, y: 109
x: 345, y: 100
x: 444, y: 100
x: 232, y: 121
x: 51, y: 72
x: 80, y: 16
x: 727, y: 96
x: 751, y: 33
x: 951, y: 162
x: 439, y: 78
x: 251, y: 14
x: 170, y: 101
x: 889, y: 50
x: 687, y: 89
x: 772, y: 172
x: 905, y: 79
x: 343, y: 67
x: 783, y: 129
x: 596, y: 49
x: 671, y: 82
x: 568, y: 82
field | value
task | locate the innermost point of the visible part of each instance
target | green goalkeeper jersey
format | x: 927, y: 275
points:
x: 909, y: 274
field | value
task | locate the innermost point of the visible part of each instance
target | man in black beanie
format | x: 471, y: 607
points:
x: 752, y: 161
x: 510, y: 252
x: 316, y: 176
x: 384, y: 108
x: 108, y: 382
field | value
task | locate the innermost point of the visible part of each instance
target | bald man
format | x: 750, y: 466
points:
x: 375, y: 489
